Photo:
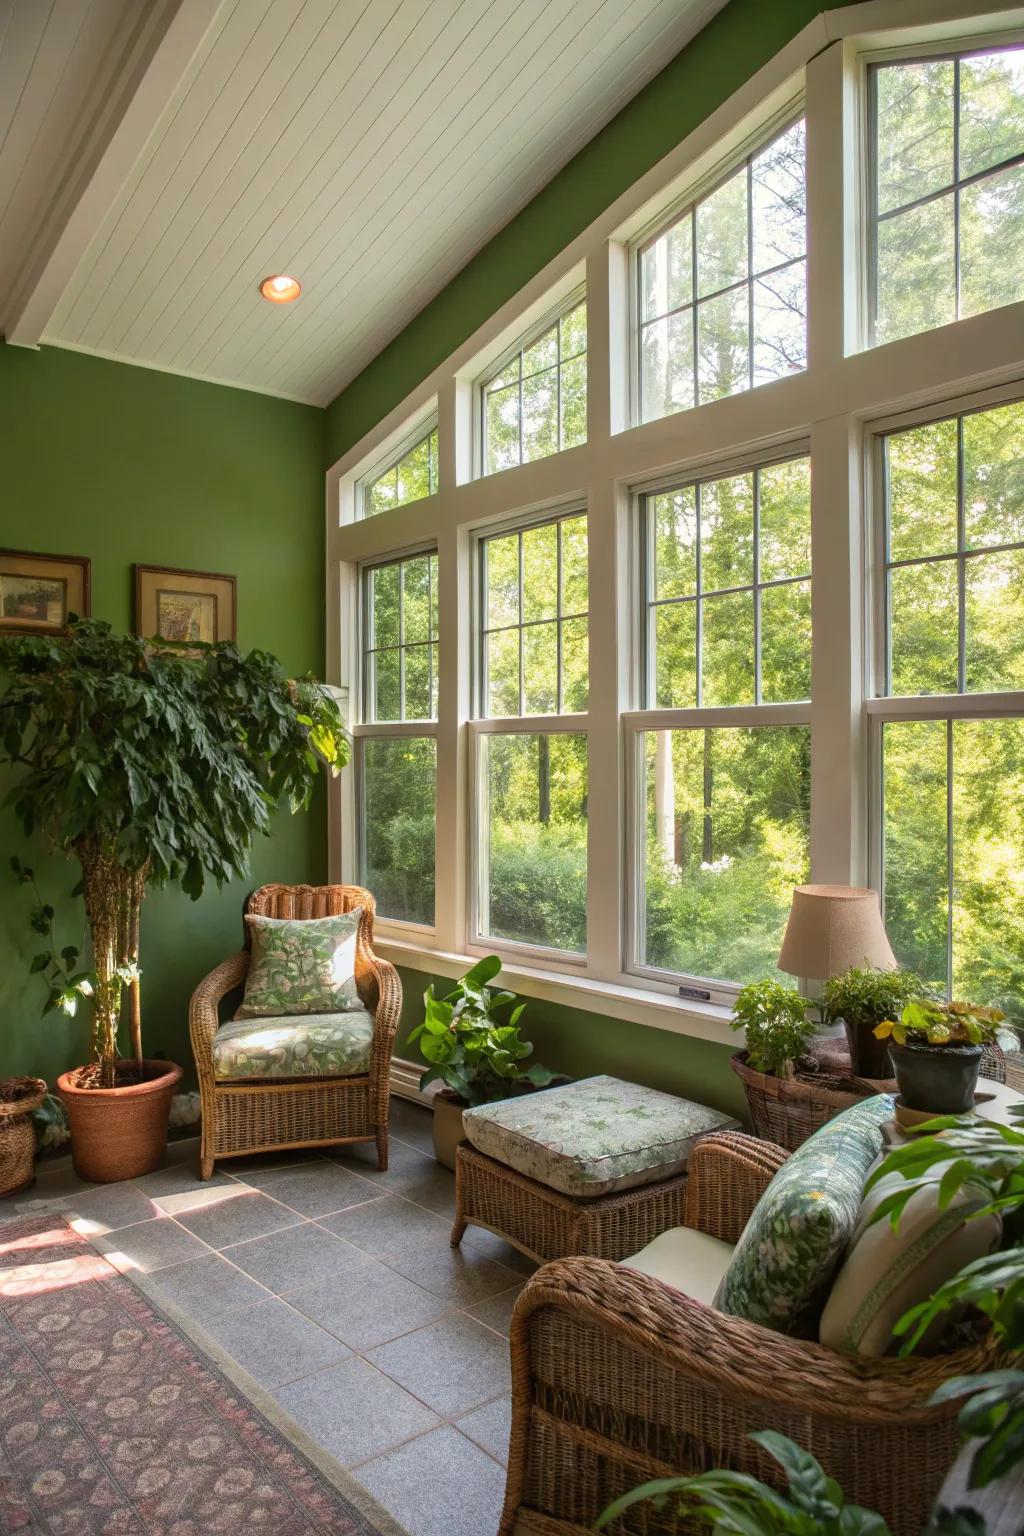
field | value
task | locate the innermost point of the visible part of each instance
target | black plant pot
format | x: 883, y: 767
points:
x: 939, y: 1079
x: 869, y: 1056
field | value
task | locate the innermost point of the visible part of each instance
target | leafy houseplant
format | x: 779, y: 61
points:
x: 936, y: 1051
x: 862, y: 999
x: 473, y: 1051
x: 149, y: 765
x: 777, y: 1024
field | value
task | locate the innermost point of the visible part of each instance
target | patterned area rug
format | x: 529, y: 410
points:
x: 114, y: 1423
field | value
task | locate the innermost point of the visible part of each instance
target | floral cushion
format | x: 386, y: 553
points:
x: 594, y: 1136
x: 301, y: 965
x: 311, y: 1045
x: 799, y: 1229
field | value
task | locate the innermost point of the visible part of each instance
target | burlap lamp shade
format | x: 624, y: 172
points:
x: 832, y: 927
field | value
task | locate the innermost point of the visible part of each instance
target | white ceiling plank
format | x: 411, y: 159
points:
x: 23, y: 32
x: 154, y: 61
x: 271, y: 185
x: 550, y: 85
x: 369, y: 146
x: 320, y: 259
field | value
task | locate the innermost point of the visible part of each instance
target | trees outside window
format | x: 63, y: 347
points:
x: 723, y: 290
x: 953, y: 623
x: 948, y: 184
x: 535, y: 403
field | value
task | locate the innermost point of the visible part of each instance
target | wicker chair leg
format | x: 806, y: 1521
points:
x: 206, y: 1167
x: 458, y: 1231
x: 382, y: 1148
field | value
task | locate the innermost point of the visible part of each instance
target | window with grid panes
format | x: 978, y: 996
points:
x: 723, y: 805
x: 409, y: 478
x: 531, y: 777
x: 536, y: 402
x: 722, y: 292
x: 947, y: 177
x: 398, y: 768
x: 952, y: 642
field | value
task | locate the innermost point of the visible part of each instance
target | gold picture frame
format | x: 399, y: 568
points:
x: 184, y: 606
x: 38, y: 593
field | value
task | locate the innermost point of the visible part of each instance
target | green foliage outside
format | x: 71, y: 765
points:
x: 537, y: 404
x: 919, y: 126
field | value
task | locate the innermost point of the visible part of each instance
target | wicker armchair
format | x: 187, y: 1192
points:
x: 250, y: 1115
x: 618, y: 1378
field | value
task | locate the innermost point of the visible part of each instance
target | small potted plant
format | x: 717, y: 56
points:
x: 476, y: 1053
x: 777, y: 1026
x: 860, y: 999
x: 936, y: 1051
x: 789, y: 1093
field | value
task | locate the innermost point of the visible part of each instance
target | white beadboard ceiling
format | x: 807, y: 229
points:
x: 368, y: 147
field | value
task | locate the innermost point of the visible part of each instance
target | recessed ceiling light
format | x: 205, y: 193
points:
x: 281, y: 289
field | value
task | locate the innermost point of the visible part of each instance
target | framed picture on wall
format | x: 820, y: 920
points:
x: 184, y: 606
x: 38, y: 593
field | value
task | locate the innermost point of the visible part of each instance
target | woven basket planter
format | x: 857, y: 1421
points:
x: 19, y: 1096
x: 787, y: 1110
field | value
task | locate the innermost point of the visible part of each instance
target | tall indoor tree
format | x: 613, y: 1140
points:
x: 151, y: 764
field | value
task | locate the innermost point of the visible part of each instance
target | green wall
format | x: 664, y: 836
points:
x: 129, y: 465
x: 731, y: 48
x: 583, y: 1044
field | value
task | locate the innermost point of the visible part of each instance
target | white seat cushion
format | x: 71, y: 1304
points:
x: 688, y: 1260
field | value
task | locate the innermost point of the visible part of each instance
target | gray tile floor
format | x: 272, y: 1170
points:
x: 335, y: 1287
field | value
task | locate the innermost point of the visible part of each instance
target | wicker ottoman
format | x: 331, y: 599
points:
x: 596, y: 1167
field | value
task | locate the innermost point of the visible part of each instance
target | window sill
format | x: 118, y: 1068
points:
x: 633, y: 1003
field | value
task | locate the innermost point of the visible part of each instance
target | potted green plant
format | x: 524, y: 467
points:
x: 936, y: 1051
x: 861, y: 998
x: 474, y: 1051
x: 148, y: 764
x: 777, y: 1026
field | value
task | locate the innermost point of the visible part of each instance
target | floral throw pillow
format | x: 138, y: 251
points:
x: 301, y: 965
x: 790, y: 1248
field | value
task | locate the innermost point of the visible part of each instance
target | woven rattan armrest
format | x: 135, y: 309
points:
x: 741, y: 1358
x: 728, y: 1174
x: 204, y: 1016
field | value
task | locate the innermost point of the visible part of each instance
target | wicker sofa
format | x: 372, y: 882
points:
x: 618, y: 1378
x: 250, y: 1115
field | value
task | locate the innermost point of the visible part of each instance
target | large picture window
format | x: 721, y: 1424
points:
x: 535, y: 403
x: 598, y: 669
x: 948, y: 185
x: 723, y: 291
x: 951, y: 740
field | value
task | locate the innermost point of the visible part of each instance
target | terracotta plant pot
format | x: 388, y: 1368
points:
x: 447, y: 1127
x: 938, y: 1078
x: 119, y: 1133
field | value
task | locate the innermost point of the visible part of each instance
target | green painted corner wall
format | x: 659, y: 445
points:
x: 733, y: 46
x: 130, y: 465
x: 583, y: 1044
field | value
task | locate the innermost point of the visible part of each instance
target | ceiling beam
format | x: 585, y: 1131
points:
x: 157, y: 52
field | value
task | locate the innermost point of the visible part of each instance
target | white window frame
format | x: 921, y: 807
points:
x: 869, y: 62
x: 772, y: 128
x: 832, y: 407
x: 522, y: 343
x: 882, y: 706
x: 650, y: 717
x: 421, y: 432
x: 365, y: 729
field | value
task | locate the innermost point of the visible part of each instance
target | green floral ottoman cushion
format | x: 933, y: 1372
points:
x: 798, y: 1231
x: 592, y: 1137
x: 301, y: 965
x: 313, y: 1045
